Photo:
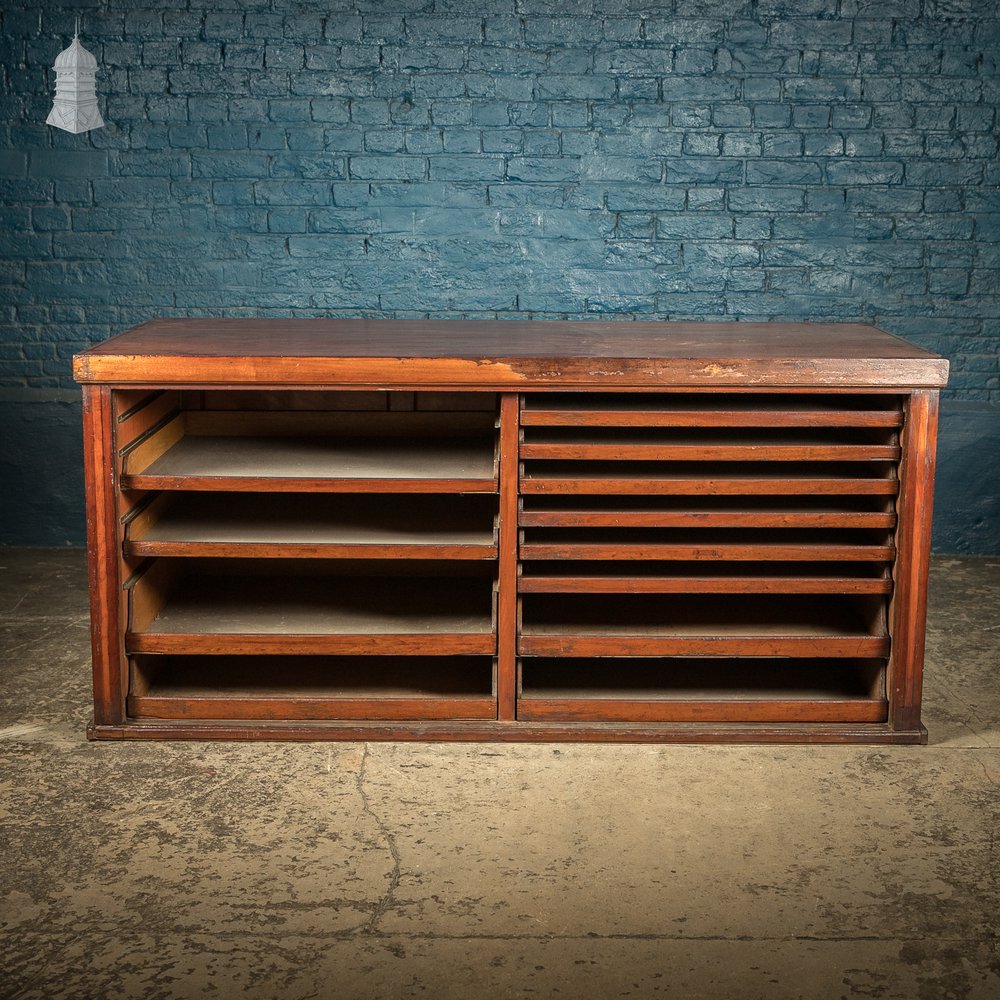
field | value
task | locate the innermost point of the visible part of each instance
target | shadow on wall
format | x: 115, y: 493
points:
x: 41, y: 468
x: 41, y: 473
x: 966, y: 499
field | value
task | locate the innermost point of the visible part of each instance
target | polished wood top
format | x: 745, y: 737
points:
x: 504, y: 354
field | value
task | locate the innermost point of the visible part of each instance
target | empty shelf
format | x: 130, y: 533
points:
x: 316, y: 525
x: 707, y: 544
x: 312, y: 687
x: 709, y: 478
x: 649, y: 625
x: 216, y: 614
x: 704, y: 577
x: 702, y: 690
x: 736, y: 444
x: 292, y: 464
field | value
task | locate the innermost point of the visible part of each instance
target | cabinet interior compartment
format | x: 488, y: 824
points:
x: 312, y: 688
x: 378, y: 445
x: 701, y: 689
x: 701, y: 624
x: 316, y: 525
x: 349, y: 607
x: 706, y: 557
x: 704, y: 576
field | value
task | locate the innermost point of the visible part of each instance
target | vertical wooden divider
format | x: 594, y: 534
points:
x: 507, y: 572
x: 102, y: 534
x: 913, y: 544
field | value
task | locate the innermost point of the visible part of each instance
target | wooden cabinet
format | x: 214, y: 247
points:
x: 345, y: 529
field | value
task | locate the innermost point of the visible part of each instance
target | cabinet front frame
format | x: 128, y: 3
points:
x: 106, y: 412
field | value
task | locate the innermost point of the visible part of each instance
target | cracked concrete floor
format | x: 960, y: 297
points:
x: 453, y: 871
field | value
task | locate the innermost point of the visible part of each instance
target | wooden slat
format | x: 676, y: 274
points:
x: 303, y: 484
x: 909, y: 606
x: 459, y: 730
x: 776, y: 550
x: 537, y: 643
x: 137, y: 420
x: 147, y: 450
x: 573, y: 484
x: 340, y: 644
x: 507, y: 567
x: 306, y: 550
x: 665, y: 416
x: 107, y: 605
x: 708, y: 452
x: 694, y: 518
x: 148, y: 593
x: 301, y: 708
x: 736, y: 584
x: 541, y: 709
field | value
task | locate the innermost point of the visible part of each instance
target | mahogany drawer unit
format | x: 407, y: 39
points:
x: 503, y: 530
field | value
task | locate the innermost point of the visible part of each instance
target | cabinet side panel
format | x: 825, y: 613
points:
x: 105, y: 591
x: 507, y: 575
x: 913, y: 538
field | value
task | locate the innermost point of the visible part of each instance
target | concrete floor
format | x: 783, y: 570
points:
x: 459, y: 871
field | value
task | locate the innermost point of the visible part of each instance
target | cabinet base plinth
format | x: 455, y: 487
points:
x: 508, y: 732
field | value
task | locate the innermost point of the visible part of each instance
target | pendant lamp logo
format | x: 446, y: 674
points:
x: 75, y: 106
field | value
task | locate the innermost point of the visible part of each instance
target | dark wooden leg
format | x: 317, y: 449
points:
x: 105, y: 586
x: 908, y: 612
x: 507, y: 597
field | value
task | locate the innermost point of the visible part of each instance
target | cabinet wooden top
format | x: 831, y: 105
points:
x: 505, y: 354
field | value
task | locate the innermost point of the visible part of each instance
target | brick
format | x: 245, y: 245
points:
x: 860, y: 172
x: 388, y: 167
x: 766, y: 199
x: 694, y: 226
x: 229, y: 165
x: 783, y: 172
x: 545, y: 168
x: 691, y: 115
x: 281, y: 192
x: 312, y: 166
x: 562, y: 87
x: 731, y: 116
x: 702, y: 144
x: 66, y: 163
x: 742, y: 144
x: 704, y: 171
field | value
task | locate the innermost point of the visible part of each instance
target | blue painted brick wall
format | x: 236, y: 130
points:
x: 640, y: 159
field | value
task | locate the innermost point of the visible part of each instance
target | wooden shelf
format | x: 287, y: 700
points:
x: 315, y: 526
x: 702, y: 690
x: 312, y: 687
x: 708, y: 478
x: 294, y: 465
x: 709, y: 544
x: 716, y: 410
x: 705, y: 512
x: 703, y: 577
x: 310, y: 452
x: 223, y: 614
x: 734, y: 445
x: 649, y: 625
